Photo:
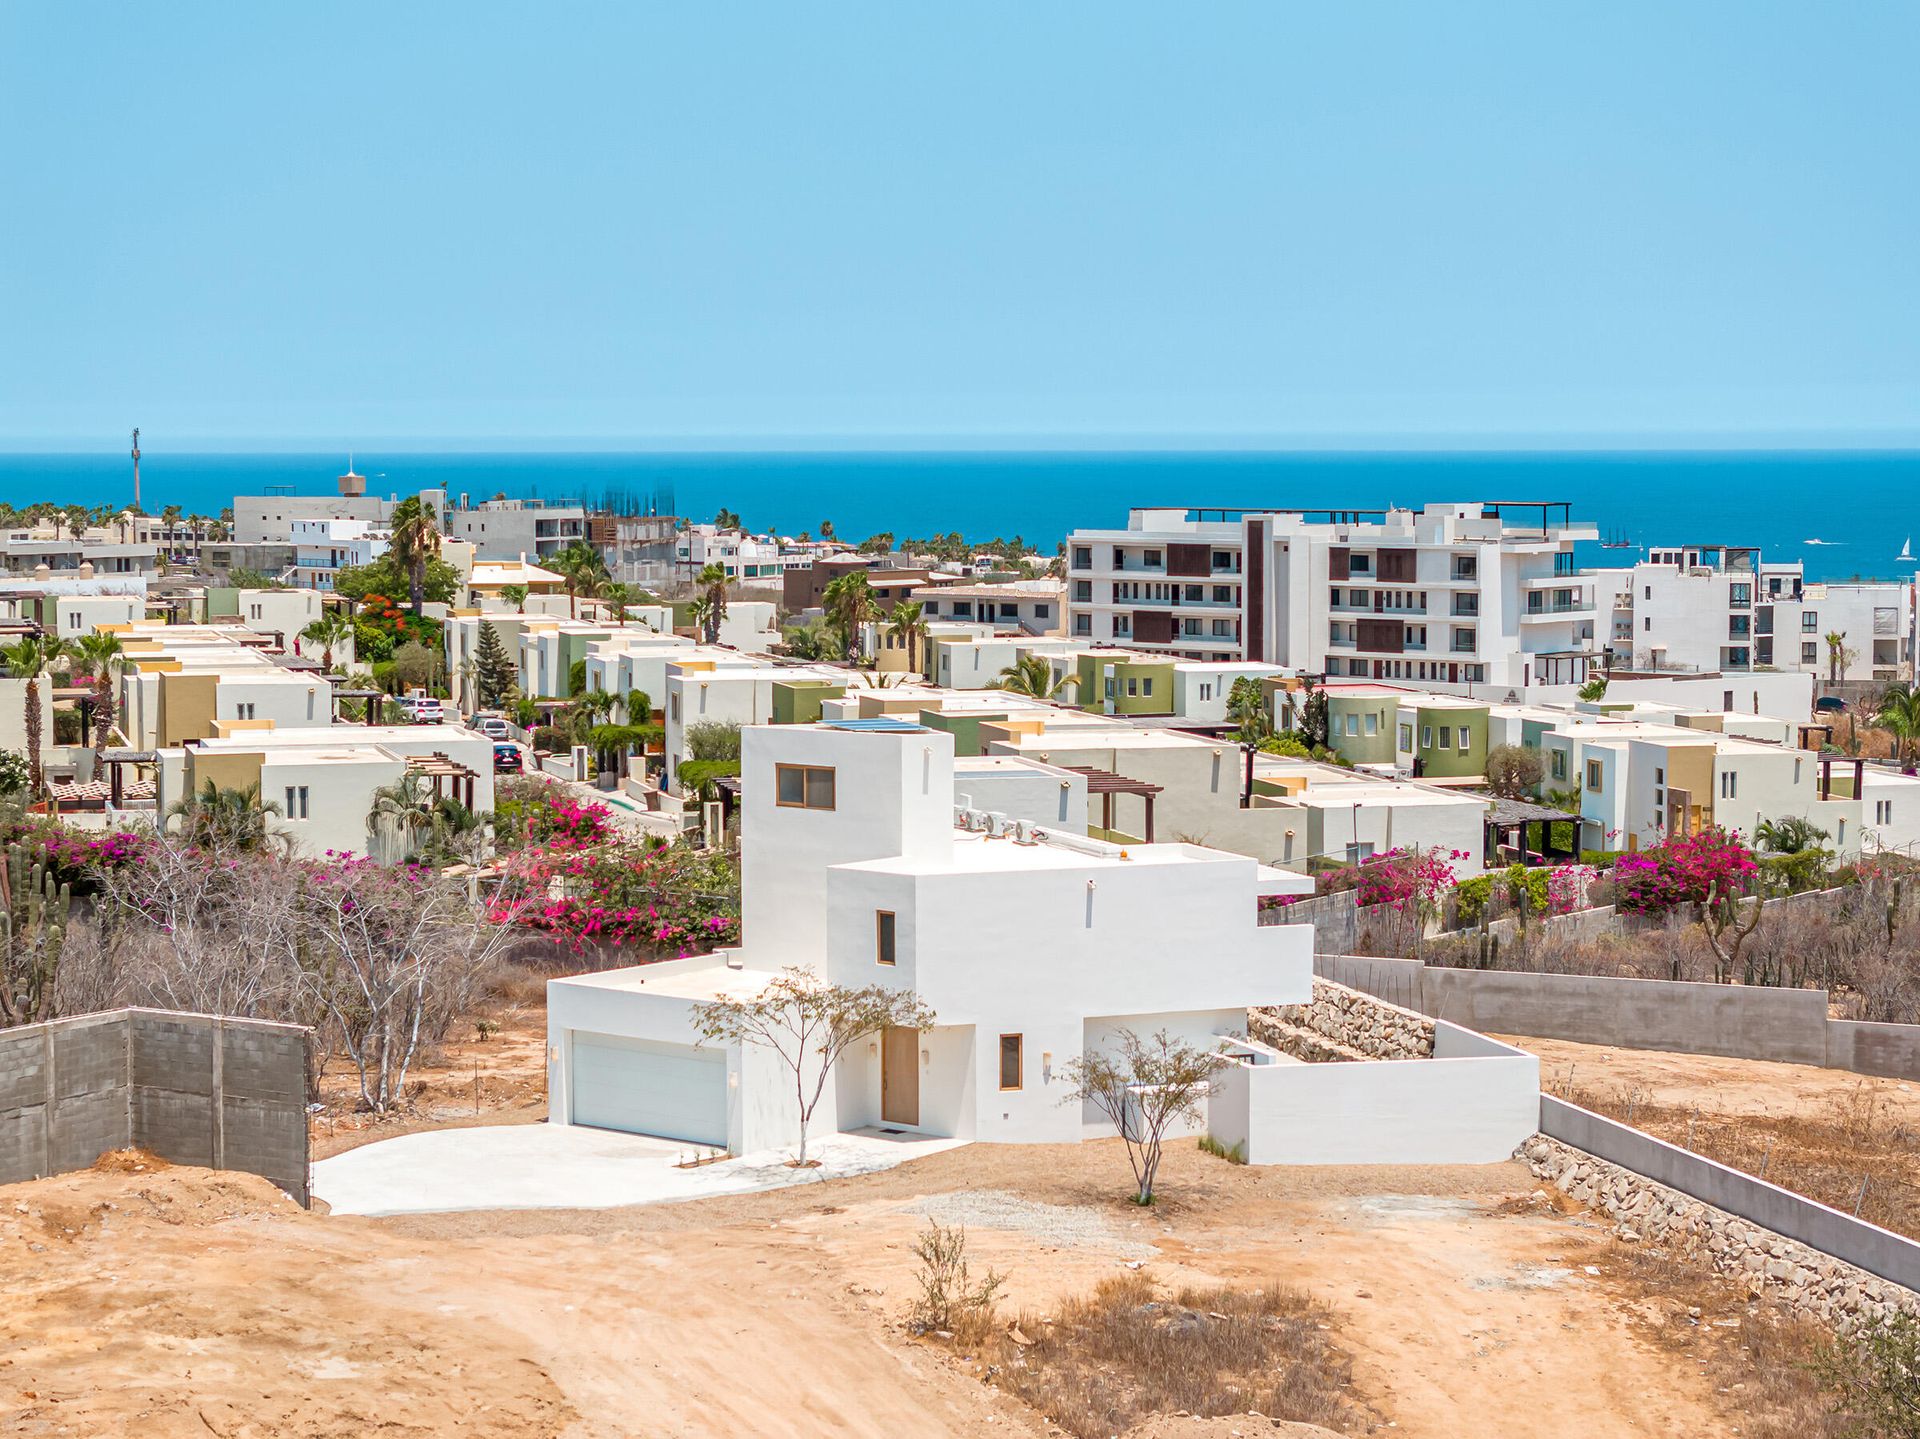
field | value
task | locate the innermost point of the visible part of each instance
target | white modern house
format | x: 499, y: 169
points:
x: 1031, y: 947
x: 321, y: 782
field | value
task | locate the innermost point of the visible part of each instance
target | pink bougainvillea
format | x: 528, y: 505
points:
x: 1684, y: 870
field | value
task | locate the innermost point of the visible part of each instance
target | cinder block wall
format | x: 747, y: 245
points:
x: 192, y: 1088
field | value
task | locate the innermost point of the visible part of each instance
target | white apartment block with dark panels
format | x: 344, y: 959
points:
x: 1448, y: 595
x: 1170, y: 583
x: 1727, y: 609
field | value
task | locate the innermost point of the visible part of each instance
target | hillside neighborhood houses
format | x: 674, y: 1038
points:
x: 929, y: 774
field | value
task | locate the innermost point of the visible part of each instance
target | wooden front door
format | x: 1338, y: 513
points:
x: 900, y: 1076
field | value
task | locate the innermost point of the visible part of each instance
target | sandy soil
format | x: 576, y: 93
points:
x: 499, y: 1079
x: 1724, y: 1087
x: 174, y: 1302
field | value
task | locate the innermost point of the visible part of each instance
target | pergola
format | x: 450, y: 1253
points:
x: 438, y: 768
x: 1107, y: 784
x: 1513, y: 817
x: 119, y: 788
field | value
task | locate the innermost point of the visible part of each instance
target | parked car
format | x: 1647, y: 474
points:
x: 492, y: 726
x: 1830, y: 704
x: 506, y: 759
x: 422, y: 709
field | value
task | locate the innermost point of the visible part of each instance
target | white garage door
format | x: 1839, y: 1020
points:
x: 673, y: 1090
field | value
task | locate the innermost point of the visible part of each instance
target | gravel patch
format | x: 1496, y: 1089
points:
x: 1060, y: 1225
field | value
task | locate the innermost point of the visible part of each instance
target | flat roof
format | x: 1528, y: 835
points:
x: 714, y: 981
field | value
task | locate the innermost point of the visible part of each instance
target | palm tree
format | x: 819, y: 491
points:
x: 581, y: 566
x: 849, y: 604
x: 401, y: 812
x: 332, y: 630
x: 907, y: 621
x: 216, y: 818
x: 1838, y: 655
x: 466, y: 674
x: 415, y: 540
x: 102, y: 657
x: 1792, y: 834
x: 815, y: 641
x: 713, y: 582
x: 32, y: 660
x: 171, y: 516
x: 587, y: 711
x: 515, y: 595
x: 1247, y: 708
x: 1900, y: 717
x: 697, y: 610
x: 619, y: 596
x: 1032, y: 675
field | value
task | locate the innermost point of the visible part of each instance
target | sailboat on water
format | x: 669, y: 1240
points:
x: 1906, y: 551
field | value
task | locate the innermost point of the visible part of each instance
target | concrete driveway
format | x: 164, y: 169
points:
x: 544, y: 1166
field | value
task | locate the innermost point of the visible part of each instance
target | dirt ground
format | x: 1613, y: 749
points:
x: 498, y: 1078
x: 1725, y: 1087
x: 176, y: 1302
x: 1848, y: 1140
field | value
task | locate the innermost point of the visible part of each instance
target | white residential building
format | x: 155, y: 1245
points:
x: 322, y: 783
x: 747, y: 559
x: 1640, y: 782
x: 1726, y: 609
x: 1446, y: 595
x: 503, y: 529
x: 324, y: 547
x: 1029, y: 952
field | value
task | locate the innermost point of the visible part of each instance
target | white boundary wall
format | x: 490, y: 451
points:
x: 1474, y: 1102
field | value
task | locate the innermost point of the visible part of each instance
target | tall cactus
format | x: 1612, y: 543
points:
x: 34, y: 912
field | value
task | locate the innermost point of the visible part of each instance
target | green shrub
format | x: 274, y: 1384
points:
x: 1471, y: 898
x: 1235, y: 1155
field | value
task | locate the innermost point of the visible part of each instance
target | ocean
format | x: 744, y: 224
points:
x: 1845, y: 513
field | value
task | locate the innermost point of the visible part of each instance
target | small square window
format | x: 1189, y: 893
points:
x: 1011, y: 1060
x: 801, y: 786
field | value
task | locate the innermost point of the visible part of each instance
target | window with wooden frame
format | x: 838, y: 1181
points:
x: 885, y: 930
x: 1596, y: 776
x: 1012, y: 1062
x: 803, y: 786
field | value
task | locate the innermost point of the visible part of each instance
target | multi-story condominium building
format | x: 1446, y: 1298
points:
x: 751, y: 559
x: 503, y: 529
x: 1724, y: 608
x: 1454, y: 594
x: 322, y: 548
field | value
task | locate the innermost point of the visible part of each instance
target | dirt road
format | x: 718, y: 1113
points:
x: 174, y: 1302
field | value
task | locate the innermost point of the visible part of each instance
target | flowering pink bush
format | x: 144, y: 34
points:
x: 1403, y: 878
x: 652, y: 897
x: 562, y: 821
x: 1682, y: 871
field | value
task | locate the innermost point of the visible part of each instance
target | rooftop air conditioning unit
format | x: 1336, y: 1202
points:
x: 997, y: 824
x: 1024, y: 832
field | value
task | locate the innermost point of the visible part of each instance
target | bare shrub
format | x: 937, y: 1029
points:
x: 1103, y: 1362
x: 950, y: 1301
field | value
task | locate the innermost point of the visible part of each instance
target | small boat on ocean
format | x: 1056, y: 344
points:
x: 1906, y: 551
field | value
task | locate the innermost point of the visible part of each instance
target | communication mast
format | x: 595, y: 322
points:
x: 136, y: 472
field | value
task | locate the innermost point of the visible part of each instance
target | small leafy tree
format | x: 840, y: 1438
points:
x: 1314, y: 724
x: 1594, y: 690
x: 808, y: 1024
x: 1514, y: 770
x: 1145, y: 1089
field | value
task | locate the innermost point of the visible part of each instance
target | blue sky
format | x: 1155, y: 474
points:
x: 1254, y: 223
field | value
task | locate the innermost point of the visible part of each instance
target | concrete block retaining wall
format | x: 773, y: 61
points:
x: 1735, y: 1021
x: 192, y: 1088
x: 1753, y: 1235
